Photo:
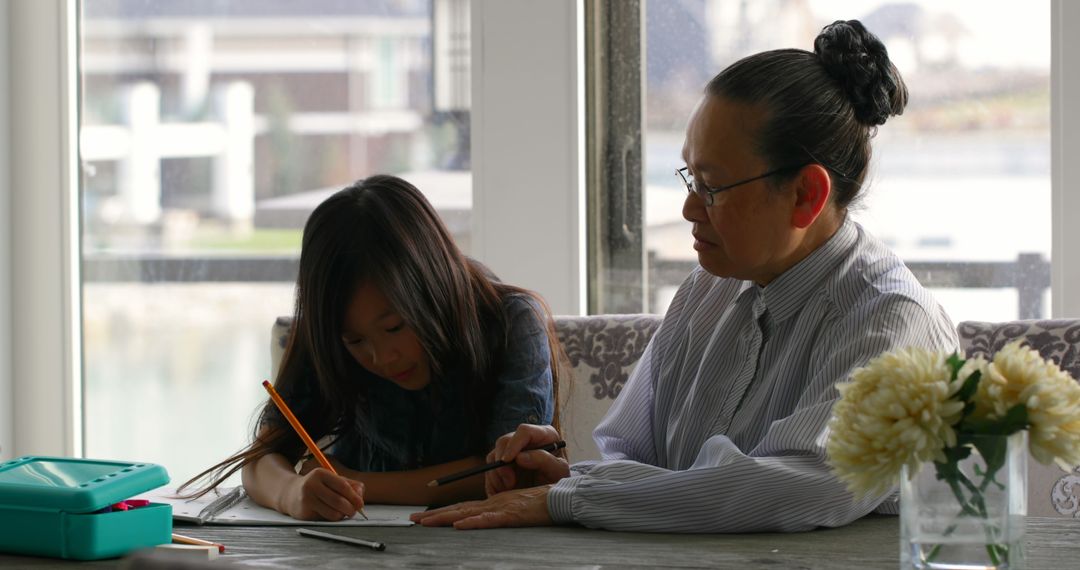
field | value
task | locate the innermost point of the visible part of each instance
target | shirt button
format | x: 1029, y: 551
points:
x: 533, y: 419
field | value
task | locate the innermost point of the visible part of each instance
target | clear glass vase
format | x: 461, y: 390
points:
x: 967, y: 513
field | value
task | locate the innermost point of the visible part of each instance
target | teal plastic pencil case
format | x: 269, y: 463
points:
x: 50, y: 506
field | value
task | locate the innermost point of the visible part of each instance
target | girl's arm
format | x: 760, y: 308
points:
x: 525, y: 391
x: 410, y: 487
x: 316, y: 495
x: 266, y: 479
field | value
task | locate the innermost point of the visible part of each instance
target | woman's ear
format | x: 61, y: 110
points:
x: 812, y: 189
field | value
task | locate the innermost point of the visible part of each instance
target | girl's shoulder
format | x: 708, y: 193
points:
x: 525, y: 315
x: 519, y: 301
x: 522, y: 309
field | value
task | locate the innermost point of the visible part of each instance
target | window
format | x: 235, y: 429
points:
x: 208, y: 133
x: 960, y: 186
x: 533, y: 88
x: 516, y: 180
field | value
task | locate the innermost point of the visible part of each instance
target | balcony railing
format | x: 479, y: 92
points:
x: 1029, y: 274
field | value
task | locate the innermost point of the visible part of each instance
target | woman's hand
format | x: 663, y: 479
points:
x: 530, y: 467
x: 522, y: 507
x: 321, y: 495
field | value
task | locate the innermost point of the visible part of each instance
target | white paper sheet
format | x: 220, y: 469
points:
x: 247, y: 512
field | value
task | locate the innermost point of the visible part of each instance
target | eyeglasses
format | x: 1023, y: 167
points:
x: 707, y: 193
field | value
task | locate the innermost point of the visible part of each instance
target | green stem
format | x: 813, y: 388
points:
x: 973, y: 507
x: 978, y: 501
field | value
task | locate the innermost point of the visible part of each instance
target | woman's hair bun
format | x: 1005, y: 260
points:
x: 858, y: 61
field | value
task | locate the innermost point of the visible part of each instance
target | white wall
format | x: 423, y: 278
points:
x: 1065, y: 129
x: 528, y: 145
x: 45, y: 355
x: 7, y: 412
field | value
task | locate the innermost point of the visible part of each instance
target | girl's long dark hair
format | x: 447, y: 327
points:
x: 383, y: 231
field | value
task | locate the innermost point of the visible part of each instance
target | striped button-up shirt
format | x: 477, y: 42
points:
x: 722, y: 426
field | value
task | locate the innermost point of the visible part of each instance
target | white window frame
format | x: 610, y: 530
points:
x: 43, y: 398
x: 528, y: 146
x: 528, y: 177
x: 7, y: 408
x: 1065, y: 169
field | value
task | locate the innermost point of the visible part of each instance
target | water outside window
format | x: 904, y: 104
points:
x: 960, y: 181
x: 209, y: 131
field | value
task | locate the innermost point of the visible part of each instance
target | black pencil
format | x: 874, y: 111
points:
x: 349, y: 539
x: 550, y: 448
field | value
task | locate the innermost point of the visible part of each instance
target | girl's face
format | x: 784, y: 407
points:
x: 382, y: 342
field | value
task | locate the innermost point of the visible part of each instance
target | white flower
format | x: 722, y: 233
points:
x: 1019, y: 375
x: 895, y: 411
x: 974, y: 364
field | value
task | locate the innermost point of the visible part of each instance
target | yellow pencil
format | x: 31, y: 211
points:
x: 181, y: 539
x: 295, y: 423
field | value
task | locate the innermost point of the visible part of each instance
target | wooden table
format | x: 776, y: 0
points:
x: 868, y: 543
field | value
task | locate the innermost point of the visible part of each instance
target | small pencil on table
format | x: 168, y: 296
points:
x: 380, y: 546
x: 181, y: 539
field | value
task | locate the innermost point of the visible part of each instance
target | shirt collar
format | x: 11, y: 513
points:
x: 786, y: 294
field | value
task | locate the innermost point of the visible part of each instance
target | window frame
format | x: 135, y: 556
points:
x: 618, y: 281
x: 1064, y: 173
x: 528, y: 195
x: 45, y: 392
x: 7, y: 409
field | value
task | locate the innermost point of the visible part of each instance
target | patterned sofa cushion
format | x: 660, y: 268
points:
x: 601, y: 351
x: 1051, y: 492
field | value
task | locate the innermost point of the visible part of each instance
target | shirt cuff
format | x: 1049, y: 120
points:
x: 582, y: 467
x: 560, y: 500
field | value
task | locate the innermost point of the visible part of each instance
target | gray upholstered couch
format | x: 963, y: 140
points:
x: 602, y: 351
x: 1051, y: 491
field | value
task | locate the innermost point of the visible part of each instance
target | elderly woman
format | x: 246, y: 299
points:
x: 723, y: 425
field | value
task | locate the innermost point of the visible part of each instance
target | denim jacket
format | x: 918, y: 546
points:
x: 405, y: 429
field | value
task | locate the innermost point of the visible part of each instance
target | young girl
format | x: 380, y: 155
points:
x: 413, y: 358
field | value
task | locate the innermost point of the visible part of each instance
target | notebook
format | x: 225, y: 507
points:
x: 234, y: 507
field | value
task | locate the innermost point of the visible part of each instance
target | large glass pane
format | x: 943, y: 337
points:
x: 960, y: 187
x: 209, y: 130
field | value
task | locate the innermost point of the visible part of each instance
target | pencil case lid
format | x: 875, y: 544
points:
x: 74, y: 485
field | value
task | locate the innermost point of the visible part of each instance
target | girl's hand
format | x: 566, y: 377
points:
x: 530, y: 468
x: 321, y: 495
